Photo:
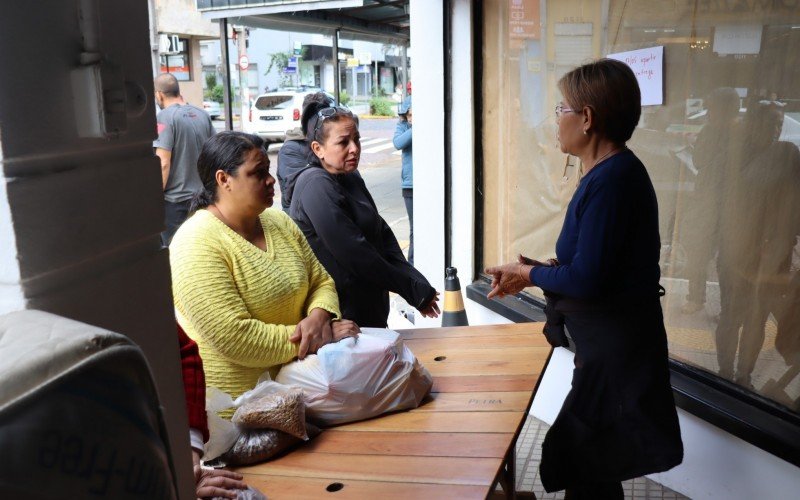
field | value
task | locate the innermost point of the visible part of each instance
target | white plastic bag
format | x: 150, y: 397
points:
x: 223, y: 434
x: 359, y: 378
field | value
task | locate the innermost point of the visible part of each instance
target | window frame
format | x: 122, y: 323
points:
x: 186, y: 53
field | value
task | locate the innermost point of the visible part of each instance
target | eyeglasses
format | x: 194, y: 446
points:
x: 561, y: 109
x: 324, y: 113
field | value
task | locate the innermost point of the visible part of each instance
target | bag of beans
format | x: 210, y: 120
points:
x: 268, y: 419
x: 258, y: 445
x: 282, y: 411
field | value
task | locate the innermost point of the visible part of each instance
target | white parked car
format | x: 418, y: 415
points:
x: 213, y: 109
x: 273, y: 113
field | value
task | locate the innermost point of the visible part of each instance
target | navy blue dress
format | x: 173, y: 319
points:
x: 619, y: 419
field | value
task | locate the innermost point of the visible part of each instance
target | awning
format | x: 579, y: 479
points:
x: 381, y: 21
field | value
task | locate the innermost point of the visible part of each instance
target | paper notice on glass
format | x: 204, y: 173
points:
x: 737, y: 39
x: 648, y: 66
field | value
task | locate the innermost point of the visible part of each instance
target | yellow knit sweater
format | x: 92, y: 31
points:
x: 240, y: 303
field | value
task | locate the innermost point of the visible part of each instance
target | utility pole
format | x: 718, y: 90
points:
x: 244, y: 88
x: 376, y: 88
x: 336, y: 82
x: 226, y: 73
x: 404, y: 55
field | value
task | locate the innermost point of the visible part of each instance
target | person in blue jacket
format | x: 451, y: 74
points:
x: 402, y: 141
x: 618, y: 420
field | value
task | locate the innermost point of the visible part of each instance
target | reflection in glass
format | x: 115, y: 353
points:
x: 721, y: 152
x: 758, y: 225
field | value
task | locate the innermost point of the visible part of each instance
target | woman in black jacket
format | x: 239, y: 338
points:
x: 332, y: 206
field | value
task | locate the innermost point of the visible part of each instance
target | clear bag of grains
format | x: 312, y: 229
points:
x: 258, y: 445
x: 282, y: 411
x: 279, y: 409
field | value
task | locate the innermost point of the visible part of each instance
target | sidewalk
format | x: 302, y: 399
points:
x: 529, y: 454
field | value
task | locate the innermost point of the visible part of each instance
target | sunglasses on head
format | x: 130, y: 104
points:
x: 324, y: 113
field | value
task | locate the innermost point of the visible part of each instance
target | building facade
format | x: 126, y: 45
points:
x: 179, y: 21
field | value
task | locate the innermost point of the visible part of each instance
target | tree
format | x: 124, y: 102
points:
x: 217, y: 93
x: 280, y: 61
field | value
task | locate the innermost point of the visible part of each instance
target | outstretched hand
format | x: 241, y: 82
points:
x: 512, y: 278
x: 432, y: 309
x: 508, y: 279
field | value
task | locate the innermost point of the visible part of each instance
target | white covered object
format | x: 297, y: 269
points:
x: 79, y: 414
x: 354, y: 379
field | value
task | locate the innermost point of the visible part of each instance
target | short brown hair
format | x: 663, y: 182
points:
x: 610, y: 88
x: 167, y: 84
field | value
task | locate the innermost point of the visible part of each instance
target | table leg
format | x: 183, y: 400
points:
x: 509, y: 474
x: 508, y: 477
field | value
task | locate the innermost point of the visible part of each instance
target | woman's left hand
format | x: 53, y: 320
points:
x: 313, y: 332
x: 508, y: 279
x: 343, y: 328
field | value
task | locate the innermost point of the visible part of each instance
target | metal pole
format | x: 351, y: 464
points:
x: 404, y: 56
x: 336, y: 82
x: 244, y: 88
x: 226, y: 73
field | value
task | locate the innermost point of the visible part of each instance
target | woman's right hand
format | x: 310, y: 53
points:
x: 313, y: 332
x: 344, y: 328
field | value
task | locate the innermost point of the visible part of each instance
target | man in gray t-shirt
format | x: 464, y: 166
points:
x: 182, y: 130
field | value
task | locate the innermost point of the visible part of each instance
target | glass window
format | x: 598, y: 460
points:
x: 721, y: 149
x: 279, y: 101
x: 179, y: 62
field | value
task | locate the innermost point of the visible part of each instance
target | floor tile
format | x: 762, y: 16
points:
x: 529, y: 454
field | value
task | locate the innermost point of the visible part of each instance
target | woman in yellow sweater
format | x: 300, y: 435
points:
x: 247, y: 287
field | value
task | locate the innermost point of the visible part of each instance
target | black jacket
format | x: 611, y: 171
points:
x: 293, y: 157
x: 341, y: 223
x: 619, y: 419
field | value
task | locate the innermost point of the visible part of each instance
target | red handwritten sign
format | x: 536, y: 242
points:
x: 647, y: 65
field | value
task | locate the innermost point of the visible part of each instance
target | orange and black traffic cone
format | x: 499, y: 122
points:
x: 454, y: 313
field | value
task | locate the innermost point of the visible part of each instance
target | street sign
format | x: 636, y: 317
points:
x: 291, y: 67
x: 244, y: 63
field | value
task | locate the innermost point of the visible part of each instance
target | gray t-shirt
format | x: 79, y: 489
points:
x: 182, y: 129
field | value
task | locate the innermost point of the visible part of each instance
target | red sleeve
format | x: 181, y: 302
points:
x: 194, y: 383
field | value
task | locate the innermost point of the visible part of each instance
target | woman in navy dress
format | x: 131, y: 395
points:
x: 619, y: 419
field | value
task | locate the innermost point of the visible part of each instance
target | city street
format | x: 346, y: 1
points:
x: 380, y: 168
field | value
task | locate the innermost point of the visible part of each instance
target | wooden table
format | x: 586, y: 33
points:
x: 457, y: 444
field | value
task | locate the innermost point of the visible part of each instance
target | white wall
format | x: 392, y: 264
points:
x: 717, y: 465
x: 428, y: 140
x: 11, y: 294
x: 80, y: 217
